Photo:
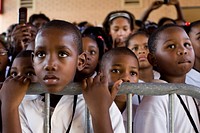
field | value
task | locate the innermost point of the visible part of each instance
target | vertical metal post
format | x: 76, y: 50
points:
x: 129, y: 113
x: 87, y: 120
x: 171, y: 113
x: 47, y: 113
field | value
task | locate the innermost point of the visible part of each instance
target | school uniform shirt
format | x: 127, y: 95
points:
x: 136, y: 99
x: 193, y: 78
x: 32, y: 116
x: 152, y: 115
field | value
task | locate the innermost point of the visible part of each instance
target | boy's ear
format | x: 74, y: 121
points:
x: 152, y: 59
x: 81, y: 61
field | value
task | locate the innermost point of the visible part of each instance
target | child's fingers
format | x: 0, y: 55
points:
x: 104, y: 79
x: 89, y: 81
x: 8, y: 78
x: 115, y: 88
x: 84, y: 85
x: 23, y: 79
x: 27, y: 80
x: 97, y: 78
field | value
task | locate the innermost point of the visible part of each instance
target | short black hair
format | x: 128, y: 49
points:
x: 152, y: 42
x: 164, y: 19
x: 114, y: 52
x: 66, y: 27
x: 34, y: 17
x: 25, y: 53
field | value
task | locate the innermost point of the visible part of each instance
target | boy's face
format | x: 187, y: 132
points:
x: 195, y: 39
x: 90, y: 47
x: 138, y: 44
x: 22, y: 66
x: 123, y: 67
x: 55, y: 59
x: 174, y: 52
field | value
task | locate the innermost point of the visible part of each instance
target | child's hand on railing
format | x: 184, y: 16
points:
x: 13, y: 91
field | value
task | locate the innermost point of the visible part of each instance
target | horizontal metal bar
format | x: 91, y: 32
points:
x: 136, y: 88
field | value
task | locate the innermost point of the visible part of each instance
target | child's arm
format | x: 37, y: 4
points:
x: 11, y: 95
x: 99, y: 100
x: 178, y: 9
x: 155, y: 5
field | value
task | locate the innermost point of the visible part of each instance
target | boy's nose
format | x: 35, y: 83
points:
x: 50, y: 64
x: 125, y: 77
x: 49, y: 67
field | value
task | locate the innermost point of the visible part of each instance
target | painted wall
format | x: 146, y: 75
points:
x: 93, y: 11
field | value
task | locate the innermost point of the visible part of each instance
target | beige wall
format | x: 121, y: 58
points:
x: 93, y: 11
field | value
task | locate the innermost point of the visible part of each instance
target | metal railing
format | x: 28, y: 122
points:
x: 129, y: 89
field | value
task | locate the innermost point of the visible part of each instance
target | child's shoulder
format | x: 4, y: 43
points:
x: 192, y: 77
x: 158, y: 81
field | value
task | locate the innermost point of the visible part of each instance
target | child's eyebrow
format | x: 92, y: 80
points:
x: 119, y: 65
x: 134, y: 67
x: 198, y: 33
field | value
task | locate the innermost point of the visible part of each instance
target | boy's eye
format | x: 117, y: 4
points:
x: 133, y: 73
x: 115, y: 71
x: 40, y: 54
x: 62, y: 54
x: 187, y: 45
x: 13, y: 74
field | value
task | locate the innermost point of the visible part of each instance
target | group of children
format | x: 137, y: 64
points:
x: 61, y: 55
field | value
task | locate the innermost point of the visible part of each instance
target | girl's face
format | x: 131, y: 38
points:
x: 55, y: 59
x: 195, y: 39
x: 3, y: 58
x: 138, y: 44
x: 92, y: 50
x: 174, y: 53
x: 120, y: 29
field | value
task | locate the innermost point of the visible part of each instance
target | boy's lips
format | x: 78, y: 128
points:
x: 50, y: 79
